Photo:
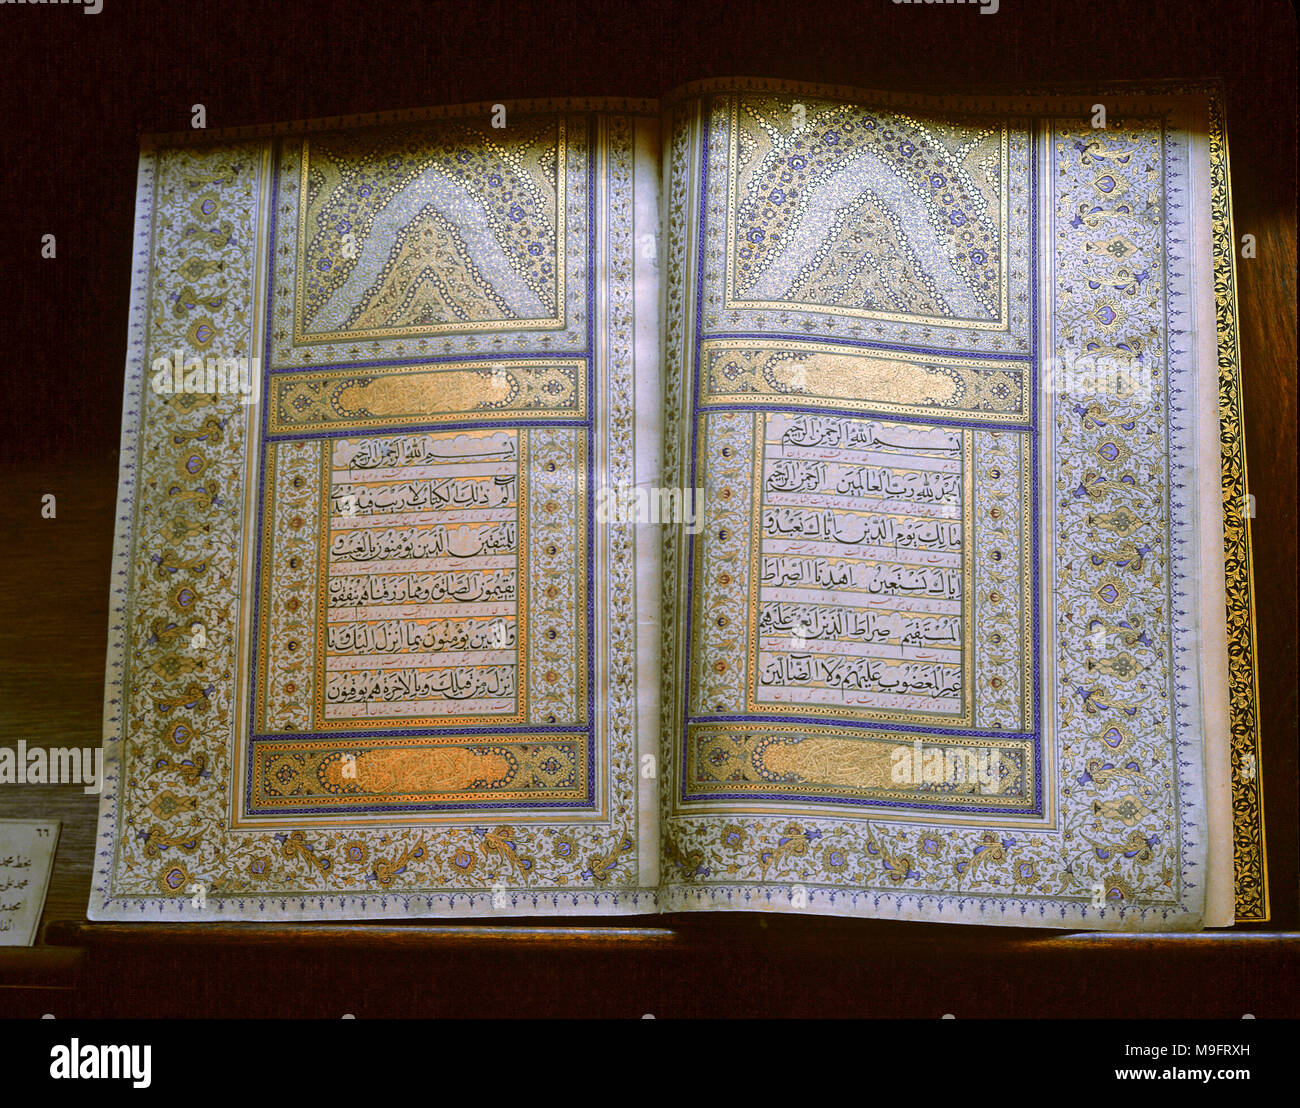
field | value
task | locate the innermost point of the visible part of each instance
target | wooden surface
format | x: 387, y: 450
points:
x: 64, y: 336
x: 54, y: 581
x: 740, y: 964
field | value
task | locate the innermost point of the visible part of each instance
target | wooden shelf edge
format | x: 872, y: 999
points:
x: 667, y: 934
x: 314, y: 934
x: 40, y: 967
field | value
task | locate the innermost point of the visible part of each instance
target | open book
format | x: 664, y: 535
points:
x: 778, y: 498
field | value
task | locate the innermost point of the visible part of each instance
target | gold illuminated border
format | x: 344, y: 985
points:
x: 803, y: 793
x: 305, y: 338
x: 1002, y: 323
x: 708, y: 400
x: 521, y: 618
x: 370, y: 801
x: 1029, y: 597
x: 261, y: 647
x: 283, y: 381
x: 1249, y: 848
x: 753, y: 705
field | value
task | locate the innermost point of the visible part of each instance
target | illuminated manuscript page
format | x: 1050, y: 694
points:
x: 906, y: 409
x: 373, y: 651
x: 948, y: 639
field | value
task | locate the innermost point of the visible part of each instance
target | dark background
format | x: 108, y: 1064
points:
x: 76, y: 91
